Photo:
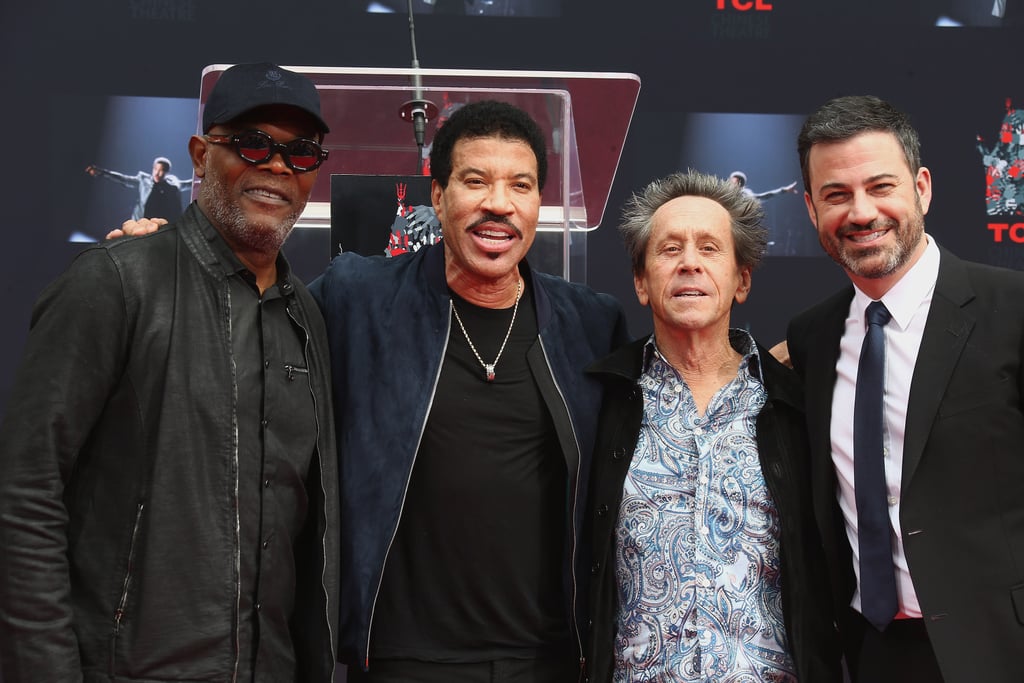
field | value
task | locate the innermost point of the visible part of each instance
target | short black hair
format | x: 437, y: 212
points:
x: 843, y: 118
x: 484, y: 119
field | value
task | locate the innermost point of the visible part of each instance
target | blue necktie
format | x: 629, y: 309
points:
x: 877, y: 576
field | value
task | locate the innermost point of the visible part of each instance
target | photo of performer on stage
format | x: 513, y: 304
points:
x: 159, y: 192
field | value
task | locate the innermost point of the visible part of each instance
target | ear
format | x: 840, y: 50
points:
x: 743, y: 291
x: 811, y: 212
x: 437, y: 197
x: 640, y: 285
x: 924, y: 188
x: 198, y: 148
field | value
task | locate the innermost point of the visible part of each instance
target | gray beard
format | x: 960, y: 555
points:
x: 265, y: 237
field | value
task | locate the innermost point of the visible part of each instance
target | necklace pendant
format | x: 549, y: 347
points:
x: 489, y: 369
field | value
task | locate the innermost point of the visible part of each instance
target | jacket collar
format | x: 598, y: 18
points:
x: 433, y: 265
x: 627, y: 362
x: 210, y: 247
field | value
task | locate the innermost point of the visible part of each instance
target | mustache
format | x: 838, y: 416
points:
x: 494, y: 218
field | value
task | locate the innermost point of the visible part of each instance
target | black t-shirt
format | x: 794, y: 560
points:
x: 164, y: 201
x: 475, y: 570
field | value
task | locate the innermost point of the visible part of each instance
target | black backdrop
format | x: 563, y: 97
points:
x: 61, y: 57
x: 773, y: 57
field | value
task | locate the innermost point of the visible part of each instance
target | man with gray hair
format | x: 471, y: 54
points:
x: 706, y: 560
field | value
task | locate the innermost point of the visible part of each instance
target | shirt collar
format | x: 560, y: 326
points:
x: 740, y: 340
x: 230, y: 265
x: 904, y: 299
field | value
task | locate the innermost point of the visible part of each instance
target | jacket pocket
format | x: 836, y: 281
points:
x: 125, y: 584
x: 1017, y: 594
x: 997, y: 392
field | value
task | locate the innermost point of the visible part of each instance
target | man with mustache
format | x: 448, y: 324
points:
x: 465, y: 428
x: 915, y: 409
x: 168, y: 503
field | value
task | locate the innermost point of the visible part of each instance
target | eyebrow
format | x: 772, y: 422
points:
x: 873, y: 179
x: 473, y: 170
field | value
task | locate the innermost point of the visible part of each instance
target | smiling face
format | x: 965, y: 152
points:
x: 868, y: 208
x: 253, y: 206
x: 690, y: 277
x: 488, y: 211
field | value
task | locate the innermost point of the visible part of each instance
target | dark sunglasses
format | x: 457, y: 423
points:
x: 256, y: 147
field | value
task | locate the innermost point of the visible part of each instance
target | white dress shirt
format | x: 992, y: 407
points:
x: 908, y: 301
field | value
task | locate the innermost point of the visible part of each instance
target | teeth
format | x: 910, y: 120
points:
x: 494, y: 235
x: 867, y: 238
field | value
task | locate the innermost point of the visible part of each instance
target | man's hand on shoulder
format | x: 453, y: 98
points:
x: 143, y: 226
x: 781, y: 353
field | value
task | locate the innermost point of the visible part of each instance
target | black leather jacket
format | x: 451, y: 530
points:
x: 118, y: 495
x: 783, y: 450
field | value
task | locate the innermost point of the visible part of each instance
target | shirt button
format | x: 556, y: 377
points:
x: 602, y: 510
x: 266, y: 484
x: 266, y: 544
x: 266, y: 363
x: 678, y: 388
x: 893, y: 500
x: 698, y: 431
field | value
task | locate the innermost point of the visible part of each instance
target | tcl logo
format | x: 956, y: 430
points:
x: 744, y: 5
x: 1014, y: 232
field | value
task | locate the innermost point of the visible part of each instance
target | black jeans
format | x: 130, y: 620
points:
x: 900, y: 654
x: 543, y: 670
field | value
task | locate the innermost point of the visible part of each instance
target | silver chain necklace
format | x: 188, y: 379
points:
x: 489, y: 367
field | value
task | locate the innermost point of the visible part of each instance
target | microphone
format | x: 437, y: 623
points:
x: 417, y: 110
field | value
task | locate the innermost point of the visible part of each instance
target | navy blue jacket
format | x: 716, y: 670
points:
x: 387, y: 323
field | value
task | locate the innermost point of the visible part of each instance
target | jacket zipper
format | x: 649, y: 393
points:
x: 290, y: 369
x: 238, y: 521
x: 405, y: 491
x: 119, y: 612
x: 574, y: 626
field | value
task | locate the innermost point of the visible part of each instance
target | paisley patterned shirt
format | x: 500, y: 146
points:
x: 697, y: 562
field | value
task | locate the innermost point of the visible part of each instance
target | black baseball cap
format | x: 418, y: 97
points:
x: 244, y: 87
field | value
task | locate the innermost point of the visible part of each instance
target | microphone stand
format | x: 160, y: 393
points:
x: 417, y: 110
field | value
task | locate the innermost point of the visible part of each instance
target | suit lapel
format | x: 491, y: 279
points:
x: 819, y: 382
x: 945, y: 335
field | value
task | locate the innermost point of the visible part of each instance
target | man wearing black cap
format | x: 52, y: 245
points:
x: 169, y: 474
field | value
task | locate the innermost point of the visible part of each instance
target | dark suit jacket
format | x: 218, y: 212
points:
x: 962, y: 500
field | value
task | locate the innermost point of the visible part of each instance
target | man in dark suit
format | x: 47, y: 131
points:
x: 946, y: 603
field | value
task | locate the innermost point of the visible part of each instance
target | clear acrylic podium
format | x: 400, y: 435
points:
x: 585, y: 117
